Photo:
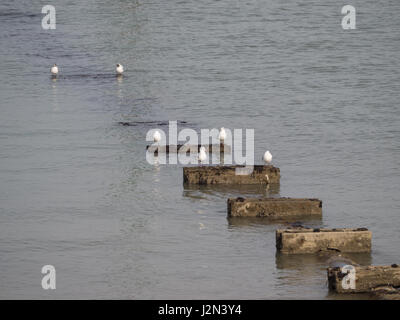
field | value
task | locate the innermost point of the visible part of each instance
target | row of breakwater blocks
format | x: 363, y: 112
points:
x: 383, y: 282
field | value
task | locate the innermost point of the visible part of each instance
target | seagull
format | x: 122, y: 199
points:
x: 202, y: 154
x: 222, y: 134
x: 119, y: 69
x: 54, y: 70
x: 267, y: 157
x: 157, y: 136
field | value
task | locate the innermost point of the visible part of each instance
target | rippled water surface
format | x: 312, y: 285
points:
x: 76, y: 191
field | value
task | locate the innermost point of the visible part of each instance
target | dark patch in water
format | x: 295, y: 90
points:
x: 157, y: 123
x: 89, y: 76
x: 16, y: 14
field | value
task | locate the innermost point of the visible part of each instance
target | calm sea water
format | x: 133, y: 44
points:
x: 76, y: 191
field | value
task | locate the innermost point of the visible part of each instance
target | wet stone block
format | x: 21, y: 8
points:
x: 274, y: 208
x: 380, y: 280
x: 228, y: 175
x: 182, y: 148
x: 303, y: 240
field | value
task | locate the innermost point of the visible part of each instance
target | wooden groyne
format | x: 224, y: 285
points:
x: 259, y: 174
x: 274, y: 208
x: 381, y: 280
x: 304, y: 240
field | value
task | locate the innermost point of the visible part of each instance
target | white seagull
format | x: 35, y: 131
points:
x: 54, y: 70
x: 222, y: 134
x: 202, y: 154
x: 157, y: 136
x: 119, y: 69
x: 267, y: 157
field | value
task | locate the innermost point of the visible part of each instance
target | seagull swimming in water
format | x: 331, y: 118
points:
x: 222, y: 135
x: 202, y: 154
x: 267, y: 157
x: 54, y: 70
x: 157, y: 136
x: 119, y: 69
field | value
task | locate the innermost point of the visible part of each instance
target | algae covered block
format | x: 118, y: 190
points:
x: 259, y: 174
x: 304, y: 240
x: 274, y: 208
x: 183, y: 148
x: 366, y: 279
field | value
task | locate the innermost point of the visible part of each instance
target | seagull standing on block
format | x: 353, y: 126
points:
x: 54, y: 70
x: 267, y: 157
x: 157, y: 136
x: 222, y: 135
x: 202, y: 154
x: 119, y: 69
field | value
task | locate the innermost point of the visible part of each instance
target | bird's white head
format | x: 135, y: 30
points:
x: 54, y: 69
x: 222, y: 134
x: 119, y: 69
x: 267, y: 156
x: 156, y: 136
x: 202, y: 154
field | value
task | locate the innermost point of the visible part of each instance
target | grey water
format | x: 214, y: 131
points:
x: 76, y: 191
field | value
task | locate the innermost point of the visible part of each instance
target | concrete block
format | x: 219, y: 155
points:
x: 274, y: 208
x: 303, y: 240
x: 227, y: 175
x: 182, y: 148
x: 375, y: 279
